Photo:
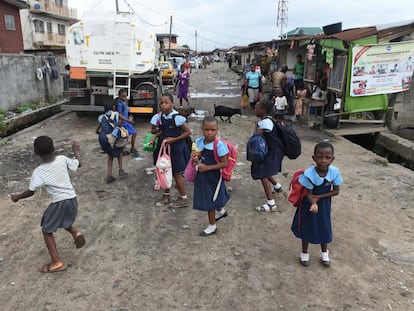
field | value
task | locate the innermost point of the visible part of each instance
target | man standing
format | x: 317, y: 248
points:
x: 298, y: 70
x: 252, y: 84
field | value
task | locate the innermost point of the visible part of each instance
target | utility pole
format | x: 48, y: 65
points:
x: 196, y: 40
x: 282, y: 16
x: 169, y: 40
x: 117, y: 6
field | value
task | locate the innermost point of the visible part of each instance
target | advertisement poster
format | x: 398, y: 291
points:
x: 382, y: 68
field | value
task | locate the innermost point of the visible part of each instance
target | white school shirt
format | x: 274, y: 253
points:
x: 55, y: 177
x: 280, y: 103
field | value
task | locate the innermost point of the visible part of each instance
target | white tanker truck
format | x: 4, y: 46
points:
x: 108, y: 53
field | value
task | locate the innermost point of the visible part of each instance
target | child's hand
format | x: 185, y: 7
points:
x: 76, y: 145
x: 14, y: 197
x: 314, y: 208
x: 202, y: 167
x: 195, y: 156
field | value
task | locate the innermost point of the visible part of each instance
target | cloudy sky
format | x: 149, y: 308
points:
x: 224, y: 23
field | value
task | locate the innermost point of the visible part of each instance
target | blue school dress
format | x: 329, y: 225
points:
x: 308, y: 226
x: 206, y: 183
x: 123, y: 109
x: 171, y: 127
x: 272, y: 164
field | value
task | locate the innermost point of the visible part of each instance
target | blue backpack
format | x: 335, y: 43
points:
x: 256, y: 148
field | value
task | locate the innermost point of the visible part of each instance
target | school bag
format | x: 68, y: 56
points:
x: 291, y: 144
x: 163, y: 167
x: 228, y: 171
x: 256, y: 148
x: 297, y: 191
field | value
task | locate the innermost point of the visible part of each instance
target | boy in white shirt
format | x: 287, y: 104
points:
x: 61, y: 213
x: 280, y: 107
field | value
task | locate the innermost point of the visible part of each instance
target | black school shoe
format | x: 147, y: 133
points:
x: 203, y: 233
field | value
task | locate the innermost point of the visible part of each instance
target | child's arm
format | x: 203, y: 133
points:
x: 221, y: 164
x: 98, y: 129
x: 315, y: 198
x: 333, y: 192
x: 23, y: 195
x: 76, y: 151
x: 186, y: 132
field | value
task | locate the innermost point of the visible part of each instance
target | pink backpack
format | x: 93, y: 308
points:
x: 163, y: 167
x: 228, y: 171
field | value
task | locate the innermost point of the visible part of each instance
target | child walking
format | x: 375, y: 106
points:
x: 127, y: 120
x: 172, y: 129
x: 183, y: 81
x: 210, y: 193
x: 312, y: 220
x: 61, y: 213
x: 272, y: 164
x: 107, y: 123
x: 301, y: 93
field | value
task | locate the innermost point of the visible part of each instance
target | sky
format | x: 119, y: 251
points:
x: 226, y: 23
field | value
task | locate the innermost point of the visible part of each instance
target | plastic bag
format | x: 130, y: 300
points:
x: 190, y: 171
x: 163, y: 167
x: 245, y: 101
x: 148, y: 146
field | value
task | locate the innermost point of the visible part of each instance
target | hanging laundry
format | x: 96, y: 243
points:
x: 311, y: 50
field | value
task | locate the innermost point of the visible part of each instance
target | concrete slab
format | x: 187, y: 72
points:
x: 397, y: 144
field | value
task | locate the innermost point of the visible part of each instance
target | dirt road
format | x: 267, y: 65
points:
x: 142, y: 257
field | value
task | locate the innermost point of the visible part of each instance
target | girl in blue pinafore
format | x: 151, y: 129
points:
x: 173, y: 129
x: 272, y: 164
x: 210, y: 193
x: 312, y: 220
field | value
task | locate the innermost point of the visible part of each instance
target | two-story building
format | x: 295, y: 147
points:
x: 44, y: 24
x: 11, y: 39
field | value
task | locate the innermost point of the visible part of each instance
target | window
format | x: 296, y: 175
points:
x: 9, y: 22
x: 59, y: 2
x: 49, y: 28
x: 39, y: 26
x: 61, y: 29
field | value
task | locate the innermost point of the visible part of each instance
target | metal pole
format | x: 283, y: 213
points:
x: 196, y: 40
x: 169, y: 41
x: 117, y: 7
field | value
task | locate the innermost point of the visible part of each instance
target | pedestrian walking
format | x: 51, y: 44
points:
x: 61, y: 213
x: 210, y: 193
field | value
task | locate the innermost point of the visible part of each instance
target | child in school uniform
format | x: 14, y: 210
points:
x: 210, y: 193
x: 127, y: 120
x: 107, y: 127
x: 61, y: 213
x: 280, y: 107
x: 272, y: 164
x: 312, y: 220
x: 173, y: 129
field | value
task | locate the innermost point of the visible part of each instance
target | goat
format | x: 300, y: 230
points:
x: 185, y: 112
x: 223, y: 111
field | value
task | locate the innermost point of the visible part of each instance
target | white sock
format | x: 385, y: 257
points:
x: 210, y: 228
x: 271, y: 202
x: 277, y: 186
x: 325, y: 256
x: 304, y: 256
x: 220, y: 212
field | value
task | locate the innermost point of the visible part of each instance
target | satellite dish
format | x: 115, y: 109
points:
x: 36, y: 5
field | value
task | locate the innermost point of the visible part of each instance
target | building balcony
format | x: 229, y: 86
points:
x: 49, y: 7
x: 48, y: 40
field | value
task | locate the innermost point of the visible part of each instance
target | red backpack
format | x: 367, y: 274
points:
x: 297, y: 191
x: 228, y: 171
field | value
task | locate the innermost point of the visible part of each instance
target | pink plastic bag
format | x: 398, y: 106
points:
x: 163, y: 167
x: 190, y: 171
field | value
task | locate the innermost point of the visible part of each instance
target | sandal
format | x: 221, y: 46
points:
x: 165, y: 200
x: 179, y: 203
x: 266, y: 208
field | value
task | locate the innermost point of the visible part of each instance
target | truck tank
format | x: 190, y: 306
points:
x: 109, y: 52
